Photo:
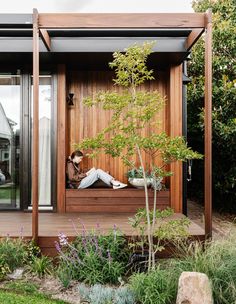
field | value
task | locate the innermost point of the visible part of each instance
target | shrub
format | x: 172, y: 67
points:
x: 15, y: 253
x: 93, y: 258
x: 64, y: 273
x: 223, y: 105
x: 217, y: 259
x: 159, y: 286
x: 41, y: 266
x: 12, y: 253
x: 99, y: 294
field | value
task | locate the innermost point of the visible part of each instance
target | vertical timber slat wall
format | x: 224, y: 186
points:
x: 175, y: 106
x: 61, y: 137
x: 87, y: 122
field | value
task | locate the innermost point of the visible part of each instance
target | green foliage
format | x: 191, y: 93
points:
x: 12, y: 253
x: 166, y: 229
x: 32, y: 250
x: 157, y: 286
x: 41, y: 266
x: 224, y: 104
x: 19, y: 292
x: 217, y: 259
x: 22, y: 287
x: 15, y: 253
x: 4, y: 269
x: 133, y: 110
x: 137, y: 173
x: 99, y: 294
x: 130, y: 67
x: 93, y: 258
x: 64, y: 273
x: 12, y: 298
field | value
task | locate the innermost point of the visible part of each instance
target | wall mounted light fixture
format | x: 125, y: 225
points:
x: 69, y: 99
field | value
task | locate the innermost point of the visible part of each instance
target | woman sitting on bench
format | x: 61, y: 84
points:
x: 82, y: 179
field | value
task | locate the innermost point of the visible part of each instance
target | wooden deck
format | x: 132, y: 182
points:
x: 51, y: 224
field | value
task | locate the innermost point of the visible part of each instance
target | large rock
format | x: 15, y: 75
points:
x: 194, y: 288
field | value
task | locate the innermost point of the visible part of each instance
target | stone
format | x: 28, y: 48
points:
x: 16, y: 274
x: 194, y: 288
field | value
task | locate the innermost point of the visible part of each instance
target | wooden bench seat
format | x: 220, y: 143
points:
x: 109, y: 200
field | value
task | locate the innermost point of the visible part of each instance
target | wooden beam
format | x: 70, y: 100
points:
x: 208, y: 128
x: 192, y: 38
x: 61, y: 138
x: 35, y: 160
x: 114, y: 20
x: 175, y: 122
x: 45, y: 38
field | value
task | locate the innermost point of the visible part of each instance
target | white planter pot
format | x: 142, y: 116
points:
x: 139, y: 182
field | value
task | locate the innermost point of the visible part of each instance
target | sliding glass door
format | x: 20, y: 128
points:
x: 10, y: 152
x: 16, y: 117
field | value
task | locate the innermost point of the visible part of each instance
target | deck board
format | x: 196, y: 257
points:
x: 50, y: 224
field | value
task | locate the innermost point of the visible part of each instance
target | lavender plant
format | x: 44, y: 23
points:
x: 93, y: 257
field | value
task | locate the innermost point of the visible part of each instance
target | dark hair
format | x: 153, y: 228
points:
x: 76, y: 153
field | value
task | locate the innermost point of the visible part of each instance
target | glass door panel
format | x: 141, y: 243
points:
x: 45, y: 163
x: 10, y: 109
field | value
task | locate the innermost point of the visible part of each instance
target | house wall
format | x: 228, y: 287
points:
x: 85, y: 122
x: 78, y: 121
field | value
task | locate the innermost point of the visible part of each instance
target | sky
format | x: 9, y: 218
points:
x: 96, y: 6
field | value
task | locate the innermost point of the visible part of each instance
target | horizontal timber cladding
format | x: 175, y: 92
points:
x: 85, y: 122
x: 113, y: 201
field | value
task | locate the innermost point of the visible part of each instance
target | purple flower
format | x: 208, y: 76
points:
x: 83, y: 229
x: 75, y: 259
x: 109, y: 256
x: 74, y: 227
x: 57, y: 245
x: 63, y: 239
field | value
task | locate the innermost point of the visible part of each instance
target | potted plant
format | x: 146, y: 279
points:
x: 136, y: 178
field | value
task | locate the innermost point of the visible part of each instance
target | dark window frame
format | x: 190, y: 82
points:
x: 26, y: 137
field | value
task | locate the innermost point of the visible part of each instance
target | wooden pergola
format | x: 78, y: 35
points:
x: 199, y: 23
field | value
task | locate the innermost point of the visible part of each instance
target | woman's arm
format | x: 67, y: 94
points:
x: 74, y: 175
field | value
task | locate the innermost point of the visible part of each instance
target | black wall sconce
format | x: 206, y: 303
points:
x: 69, y: 99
